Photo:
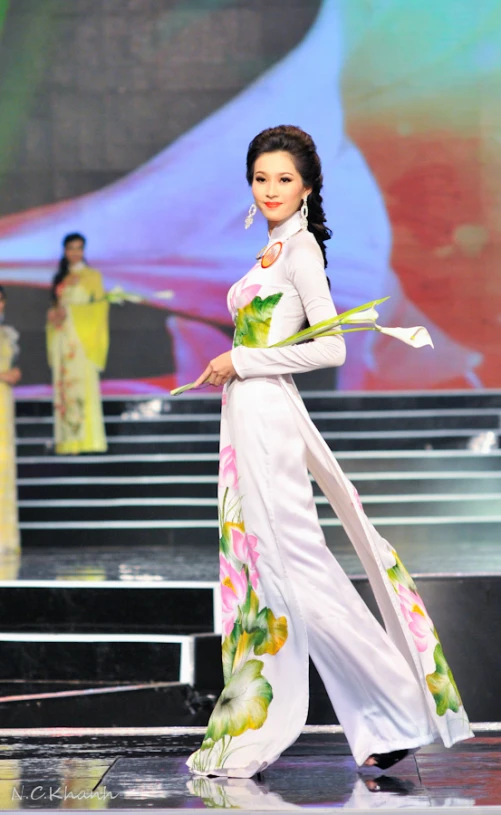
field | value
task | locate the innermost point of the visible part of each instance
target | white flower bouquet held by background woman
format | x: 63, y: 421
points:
x: 362, y: 318
x: 118, y: 296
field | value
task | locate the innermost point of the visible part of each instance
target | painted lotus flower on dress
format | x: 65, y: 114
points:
x: 242, y: 294
x: 441, y: 683
x: 228, y: 468
x: 250, y: 629
x: 244, y: 547
x: 233, y: 592
x: 357, y: 501
x: 416, y: 616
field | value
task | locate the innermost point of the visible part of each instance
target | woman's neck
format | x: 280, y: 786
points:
x: 287, y: 227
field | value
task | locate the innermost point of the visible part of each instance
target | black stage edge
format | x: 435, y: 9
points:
x: 186, y: 667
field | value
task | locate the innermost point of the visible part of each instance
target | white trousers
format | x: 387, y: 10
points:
x: 374, y: 691
x: 303, y: 604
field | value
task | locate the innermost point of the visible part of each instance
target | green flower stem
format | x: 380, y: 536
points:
x: 182, y: 389
x: 234, y: 504
x: 348, y: 331
x: 223, y: 516
x: 310, y: 332
x: 325, y: 328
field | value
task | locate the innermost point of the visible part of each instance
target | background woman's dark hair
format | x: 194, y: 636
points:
x: 3, y: 293
x: 63, y: 269
x: 301, y: 147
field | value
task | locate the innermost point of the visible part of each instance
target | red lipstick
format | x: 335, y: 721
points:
x: 273, y: 204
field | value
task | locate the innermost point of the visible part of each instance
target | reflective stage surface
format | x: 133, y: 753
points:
x: 318, y: 771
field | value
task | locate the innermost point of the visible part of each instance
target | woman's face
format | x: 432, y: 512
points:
x: 277, y: 187
x: 74, y: 251
x: 2, y: 304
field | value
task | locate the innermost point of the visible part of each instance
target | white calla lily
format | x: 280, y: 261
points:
x: 368, y: 316
x: 168, y: 294
x: 417, y: 336
x: 118, y: 296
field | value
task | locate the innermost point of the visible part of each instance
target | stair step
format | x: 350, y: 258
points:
x: 337, y: 441
x: 165, y: 426
x: 440, y: 529
x: 147, y: 406
x: 96, y: 657
x: 195, y: 487
x: 189, y: 464
x: 167, y: 704
x: 80, y: 607
x: 202, y: 509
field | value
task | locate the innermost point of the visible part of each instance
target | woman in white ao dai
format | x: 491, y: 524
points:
x: 284, y: 595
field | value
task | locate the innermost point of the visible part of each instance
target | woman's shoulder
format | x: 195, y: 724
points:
x: 302, y: 248
x: 91, y: 271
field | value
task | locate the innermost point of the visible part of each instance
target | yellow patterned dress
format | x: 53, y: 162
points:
x: 9, y: 531
x: 77, y: 352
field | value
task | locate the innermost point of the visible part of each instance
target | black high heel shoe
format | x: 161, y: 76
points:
x: 385, y: 760
x: 386, y: 783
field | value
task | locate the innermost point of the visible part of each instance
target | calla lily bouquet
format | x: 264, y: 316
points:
x: 362, y: 318
x: 118, y: 296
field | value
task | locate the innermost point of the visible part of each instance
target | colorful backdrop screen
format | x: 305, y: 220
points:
x: 129, y: 121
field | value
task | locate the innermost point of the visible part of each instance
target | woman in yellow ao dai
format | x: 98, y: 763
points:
x: 77, y: 347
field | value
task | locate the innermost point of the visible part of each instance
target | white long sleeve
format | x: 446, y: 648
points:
x: 305, y: 270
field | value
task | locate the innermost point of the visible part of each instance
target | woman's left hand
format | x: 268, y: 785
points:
x: 11, y: 377
x: 218, y: 371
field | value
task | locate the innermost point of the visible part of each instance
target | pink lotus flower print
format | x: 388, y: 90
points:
x: 244, y: 547
x: 357, y: 501
x: 233, y: 593
x: 228, y: 476
x: 416, y: 617
x: 241, y: 295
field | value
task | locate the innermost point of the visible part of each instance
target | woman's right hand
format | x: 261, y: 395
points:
x: 56, y: 315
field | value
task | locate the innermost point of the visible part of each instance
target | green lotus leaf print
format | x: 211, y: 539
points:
x: 254, y: 631
x: 252, y: 323
x: 399, y: 575
x: 250, y: 609
x: 272, y: 633
x: 229, y: 649
x: 244, y: 648
x: 442, y: 686
x: 213, y: 794
x: 243, y: 704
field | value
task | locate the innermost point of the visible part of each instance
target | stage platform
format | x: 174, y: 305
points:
x: 137, y: 771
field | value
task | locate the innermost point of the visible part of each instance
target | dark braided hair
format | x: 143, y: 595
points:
x: 293, y: 140
x: 63, y: 269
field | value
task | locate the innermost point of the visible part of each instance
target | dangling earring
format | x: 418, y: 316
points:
x: 304, y: 215
x: 250, y: 217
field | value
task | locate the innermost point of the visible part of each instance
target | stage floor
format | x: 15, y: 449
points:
x: 187, y: 561
x: 148, y: 771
